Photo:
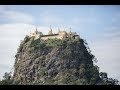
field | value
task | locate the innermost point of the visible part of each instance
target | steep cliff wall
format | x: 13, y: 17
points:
x: 55, y: 62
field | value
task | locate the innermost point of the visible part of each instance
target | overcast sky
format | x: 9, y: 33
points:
x: 99, y: 25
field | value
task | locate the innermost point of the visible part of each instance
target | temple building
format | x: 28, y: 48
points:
x: 60, y: 35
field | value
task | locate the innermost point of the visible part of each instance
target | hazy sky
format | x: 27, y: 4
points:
x: 99, y: 25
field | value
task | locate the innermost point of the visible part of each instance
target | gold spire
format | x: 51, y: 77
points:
x: 58, y: 29
x: 36, y: 28
x: 70, y: 29
x: 50, y: 32
x: 36, y: 31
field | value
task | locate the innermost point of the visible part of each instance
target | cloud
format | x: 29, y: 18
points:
x: 15, y: 16
x: 112, y: 32
x: 3, y: 69
x: 107, y: 53
x: 2, y: 7
x: 48, y: 18
x: 106, y: 50
x: 116, y: 17
x: 80, y: 20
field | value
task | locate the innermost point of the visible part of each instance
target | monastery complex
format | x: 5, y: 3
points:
x: 60, y: 35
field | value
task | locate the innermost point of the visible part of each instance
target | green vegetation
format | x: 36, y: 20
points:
x: 7, y: 80
x: 57, y: 62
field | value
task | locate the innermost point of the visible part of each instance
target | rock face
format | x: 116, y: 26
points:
x: 55, y: 62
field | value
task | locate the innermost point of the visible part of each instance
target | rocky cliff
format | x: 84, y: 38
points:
x: 55, y: 62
